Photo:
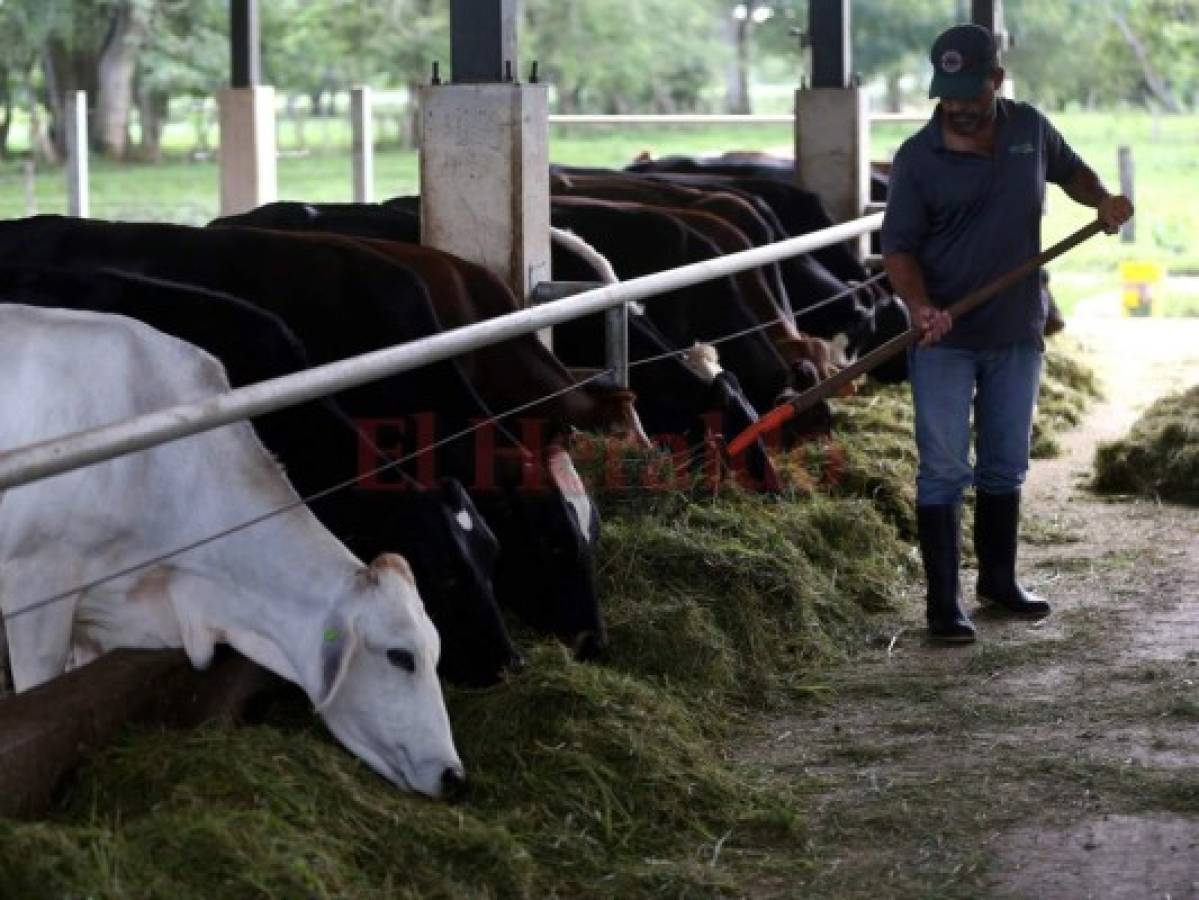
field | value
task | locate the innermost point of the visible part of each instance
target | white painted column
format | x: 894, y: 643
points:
x: 832, y: 148
x: 249, y: 172
x: 78, y: 195
x: 362, y: 134
x: 484, y: 172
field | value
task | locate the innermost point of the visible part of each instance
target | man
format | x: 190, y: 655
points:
x: 964, y: 206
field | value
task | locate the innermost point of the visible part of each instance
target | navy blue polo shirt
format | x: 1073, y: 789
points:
x: 969, y: 218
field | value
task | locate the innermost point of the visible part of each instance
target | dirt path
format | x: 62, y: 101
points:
x: 1059, y: 760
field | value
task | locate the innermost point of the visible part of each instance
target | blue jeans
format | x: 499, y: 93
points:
x: 1002, y: 384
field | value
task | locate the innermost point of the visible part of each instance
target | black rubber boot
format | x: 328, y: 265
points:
x: 940, y: 544
x: 996, y: 526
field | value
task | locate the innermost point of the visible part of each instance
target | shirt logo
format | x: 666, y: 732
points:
x: 1022, y: 149
x: 951, y: 62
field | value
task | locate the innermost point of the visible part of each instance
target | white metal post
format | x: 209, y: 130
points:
x: 1128, y: 232
x: 78, y: 202
x: 363, y: 144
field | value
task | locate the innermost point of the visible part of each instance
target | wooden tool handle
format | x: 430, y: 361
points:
x: 899, y: 343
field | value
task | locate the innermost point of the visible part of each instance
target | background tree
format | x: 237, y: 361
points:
x: 611, y: 56
x: 116, y: 66
x: 598, y: 55
x: 25, y: 25
x: 186, y: 56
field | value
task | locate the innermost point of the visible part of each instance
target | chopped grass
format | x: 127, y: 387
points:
x: 742, y: 596
x: 586, y: 780
x: 580, y: 775
x: 1160, y: 455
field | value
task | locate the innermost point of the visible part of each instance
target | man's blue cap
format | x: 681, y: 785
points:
x: 962, y: 59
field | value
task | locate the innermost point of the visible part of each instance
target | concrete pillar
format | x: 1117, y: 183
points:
x: 484, y: 172
x: 78, y: 197
x: 832, y: 148
x: 363, y: 144
x: 249, y: 175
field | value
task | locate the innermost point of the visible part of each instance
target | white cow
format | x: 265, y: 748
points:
x: 285, y: 592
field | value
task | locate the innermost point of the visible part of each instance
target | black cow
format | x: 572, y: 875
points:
x: 800, y: 281
x: 672, y: 399
x: 757, y: 165
x: 825, y: 304
x: 391, y: 222
x: 643, y: 241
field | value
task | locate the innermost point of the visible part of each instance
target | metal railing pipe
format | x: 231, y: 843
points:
x: 900, y: 118
x: 53, y: 457
x: 682, y: 119
x: 715, y: 119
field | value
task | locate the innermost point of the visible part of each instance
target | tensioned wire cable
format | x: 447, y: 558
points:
x: 764, y: 325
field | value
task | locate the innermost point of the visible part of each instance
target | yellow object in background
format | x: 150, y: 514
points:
x: 1139, y: 276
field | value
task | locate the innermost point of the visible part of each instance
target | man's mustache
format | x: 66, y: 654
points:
x: 966, y: 120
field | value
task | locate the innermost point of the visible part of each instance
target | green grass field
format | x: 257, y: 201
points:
x: 1166, y: 155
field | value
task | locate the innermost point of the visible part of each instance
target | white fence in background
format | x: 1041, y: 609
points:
x: 362, y: 149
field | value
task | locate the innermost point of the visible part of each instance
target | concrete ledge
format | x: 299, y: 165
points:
x: 46, y: 732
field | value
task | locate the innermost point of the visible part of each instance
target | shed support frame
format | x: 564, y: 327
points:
x: 249, y: 171
x: 483, y: 42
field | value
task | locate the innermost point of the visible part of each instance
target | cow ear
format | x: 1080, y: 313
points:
x: 339, y: 643
x: 392, y: 562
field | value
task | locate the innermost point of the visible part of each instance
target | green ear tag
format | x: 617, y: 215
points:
x: 332, y: 635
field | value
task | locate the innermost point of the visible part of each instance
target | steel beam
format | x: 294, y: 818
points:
x: 832, y: 56
x: 483, y: 40
x: 245, y: 43
x: 989, y: 14
x: 47, y: 731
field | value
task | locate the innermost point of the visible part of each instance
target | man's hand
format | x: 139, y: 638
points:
x: 933, y: 323
x: 1114, y: 211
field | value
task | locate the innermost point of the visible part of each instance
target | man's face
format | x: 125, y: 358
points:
x: 968, y: 117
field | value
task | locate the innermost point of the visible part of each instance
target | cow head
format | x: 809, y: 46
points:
x: 378, y: 690
x: 546, y: 571
x: 456, y: 583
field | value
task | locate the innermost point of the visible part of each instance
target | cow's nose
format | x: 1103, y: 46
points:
x: 453, y: 782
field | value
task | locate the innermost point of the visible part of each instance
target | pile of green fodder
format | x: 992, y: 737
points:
x: 1160, y: 455
x: 740, y: 598
x: 586, y: 779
